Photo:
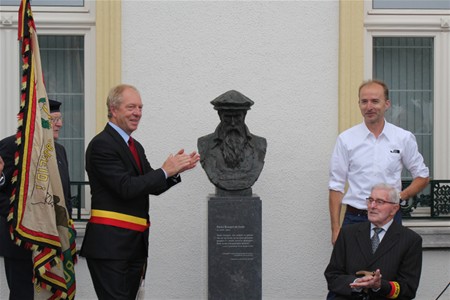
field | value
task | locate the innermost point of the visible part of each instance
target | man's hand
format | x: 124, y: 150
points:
x: 194, y: 158
x: 180, y: 162
x: 369, y: 281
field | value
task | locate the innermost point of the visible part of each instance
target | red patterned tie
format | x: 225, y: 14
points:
x: 134, y: 152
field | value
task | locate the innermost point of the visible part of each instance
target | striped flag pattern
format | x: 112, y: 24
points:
x: 38, y: 214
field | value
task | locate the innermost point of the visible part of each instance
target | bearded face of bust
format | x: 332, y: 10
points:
x: 233, y: 135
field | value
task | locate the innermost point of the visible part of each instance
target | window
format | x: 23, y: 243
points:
x: 67, y: 48
x: 62, y: 60
x: 411, y: 4
x: 410, y: 50
x: 406, y: 65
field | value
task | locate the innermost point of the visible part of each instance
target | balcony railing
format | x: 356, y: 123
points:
x: 77, y: 199
x: 432, y: 203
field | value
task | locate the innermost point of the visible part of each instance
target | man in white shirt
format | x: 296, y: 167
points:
x: 369, y: 153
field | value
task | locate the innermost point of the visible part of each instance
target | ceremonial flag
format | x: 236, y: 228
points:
x: 38, y: 215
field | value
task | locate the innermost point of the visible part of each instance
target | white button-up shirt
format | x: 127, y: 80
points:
x: 363, y: 161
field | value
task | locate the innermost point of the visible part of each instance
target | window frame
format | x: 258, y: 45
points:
x: 87, y: 9
x: 66, y: 21
x: 394, y: 28
x: 420, y: 23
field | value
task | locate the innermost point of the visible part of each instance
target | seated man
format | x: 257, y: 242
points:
x: 376, y: 260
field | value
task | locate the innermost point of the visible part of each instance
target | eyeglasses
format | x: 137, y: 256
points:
x: 56, y: 120
x: 370, y: 200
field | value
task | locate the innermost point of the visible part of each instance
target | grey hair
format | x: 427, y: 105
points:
x: 115, y: 96
x: 394, y: 195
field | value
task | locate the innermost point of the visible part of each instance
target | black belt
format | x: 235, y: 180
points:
x: 355, y: 211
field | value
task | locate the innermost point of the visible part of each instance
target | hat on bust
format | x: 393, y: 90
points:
x: 232, y: 100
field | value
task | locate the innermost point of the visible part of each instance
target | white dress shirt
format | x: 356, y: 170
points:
x: 363, y: 161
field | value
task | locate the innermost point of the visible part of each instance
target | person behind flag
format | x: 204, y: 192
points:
x: 116, y: 240
x: 17, y: 260
x: 61, y: 155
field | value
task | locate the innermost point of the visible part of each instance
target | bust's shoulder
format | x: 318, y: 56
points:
x: 205, y: 140
x: 258, y: 138
x: 259, y: 141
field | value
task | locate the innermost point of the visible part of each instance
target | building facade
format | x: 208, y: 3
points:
x: 301, y: 62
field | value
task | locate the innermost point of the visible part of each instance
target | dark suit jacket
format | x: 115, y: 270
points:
x: 399, y: 258
x: 8, y: 148
x: 63, y: 168
x: 117, y: 185
x: 7, y: 247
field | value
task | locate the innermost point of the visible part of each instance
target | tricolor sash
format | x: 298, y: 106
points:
x: 119, y: 220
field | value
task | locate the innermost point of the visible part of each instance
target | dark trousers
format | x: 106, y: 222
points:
x: 116, y: 279
x: 19, y: 276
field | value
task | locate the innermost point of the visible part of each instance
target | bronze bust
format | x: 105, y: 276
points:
x: 232, y: 157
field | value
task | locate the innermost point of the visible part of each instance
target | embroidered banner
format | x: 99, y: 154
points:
x: 38, y: 214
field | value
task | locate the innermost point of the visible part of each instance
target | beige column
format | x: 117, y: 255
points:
x: 108, y: 54
x: 351, y: 61
x: 351, y: 64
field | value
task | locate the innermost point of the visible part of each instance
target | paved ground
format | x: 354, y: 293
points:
x: 85, y: 290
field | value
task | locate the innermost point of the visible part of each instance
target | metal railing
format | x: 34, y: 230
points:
x: 77, y: 199
x: 432, y: 203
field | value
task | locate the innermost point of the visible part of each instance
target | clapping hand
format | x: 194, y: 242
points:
x: 194, y: 157
x: 180, y: 162
x: 370, y: 280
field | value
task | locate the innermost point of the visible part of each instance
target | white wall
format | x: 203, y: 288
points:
x: 282, y: 55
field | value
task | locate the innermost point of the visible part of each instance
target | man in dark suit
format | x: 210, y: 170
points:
x: 121, y: 179
x: 61, y: 155
x: 18, y: 261
x: 388, y: 254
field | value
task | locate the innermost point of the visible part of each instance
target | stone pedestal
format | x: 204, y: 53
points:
x: 234, y: 247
